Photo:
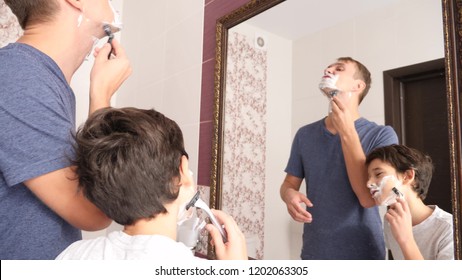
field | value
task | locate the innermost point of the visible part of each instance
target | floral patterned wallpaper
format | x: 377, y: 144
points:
x: 9, y: 26
x: 245, y: 139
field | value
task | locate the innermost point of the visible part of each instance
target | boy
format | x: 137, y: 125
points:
x: 131, y: 163
x: 399, y: 177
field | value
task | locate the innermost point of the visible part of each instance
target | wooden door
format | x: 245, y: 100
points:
x: 416, y: 107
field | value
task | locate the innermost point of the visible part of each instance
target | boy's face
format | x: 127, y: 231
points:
x: 382, y: 180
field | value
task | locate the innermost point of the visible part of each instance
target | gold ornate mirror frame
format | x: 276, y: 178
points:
x: 452, y: 24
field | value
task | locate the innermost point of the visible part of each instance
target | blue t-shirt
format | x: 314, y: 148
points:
x: 341, y: 227
x: 37, y: 119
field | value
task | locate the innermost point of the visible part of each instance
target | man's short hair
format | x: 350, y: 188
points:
x: 33, y: 11
x: 362, y: 73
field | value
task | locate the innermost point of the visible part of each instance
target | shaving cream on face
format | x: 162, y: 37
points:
x: 328, y: 84
x: 383, y: 193
x: 183, y: 213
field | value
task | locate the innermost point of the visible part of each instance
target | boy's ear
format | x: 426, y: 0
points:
x: 409, y: 176
x: 184, y: 172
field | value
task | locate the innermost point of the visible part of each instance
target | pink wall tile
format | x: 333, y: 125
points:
x: 213, y: 10
x: 205, y: 153
x: 208, y: 91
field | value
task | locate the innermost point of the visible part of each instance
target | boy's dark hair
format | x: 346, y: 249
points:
x: 127, y: 161
x: 403, y: 158
x: 32, y: 11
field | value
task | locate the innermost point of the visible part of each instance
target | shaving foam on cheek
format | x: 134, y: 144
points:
x: 117, y: 22
x: 328, y: 88
x: 390, y: 183
x: 188, y: 231
x: 328, y: 84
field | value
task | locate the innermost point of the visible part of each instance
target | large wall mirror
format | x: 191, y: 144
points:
x: 270, y: 58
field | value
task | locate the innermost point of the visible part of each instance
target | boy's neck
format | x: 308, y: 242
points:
x: 419, y: 211
x: 162, y: 224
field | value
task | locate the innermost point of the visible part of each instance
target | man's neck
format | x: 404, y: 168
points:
x: 59, y: 44
x: 330, y: 126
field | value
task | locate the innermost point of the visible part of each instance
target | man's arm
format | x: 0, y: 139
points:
x: 293, y: 198
x: 59, y: 191
x: 355, y: 159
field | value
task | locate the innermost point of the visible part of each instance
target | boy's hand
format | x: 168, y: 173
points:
x: 235, y: 248
x: 400, y: 219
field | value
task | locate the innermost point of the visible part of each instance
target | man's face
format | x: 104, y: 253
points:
x: 98, y: 12
x: 382, y: 179
x: 343, y: 72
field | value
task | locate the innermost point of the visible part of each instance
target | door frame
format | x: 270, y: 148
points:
x: 393, y: 90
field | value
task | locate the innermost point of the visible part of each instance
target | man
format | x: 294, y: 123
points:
x: 330, y: 155
x: 41, y: 209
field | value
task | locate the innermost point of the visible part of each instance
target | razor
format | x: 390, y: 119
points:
x: 197, y: 202
x: 108, y: 30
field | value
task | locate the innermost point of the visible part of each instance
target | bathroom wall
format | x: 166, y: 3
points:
x: 163, y: 39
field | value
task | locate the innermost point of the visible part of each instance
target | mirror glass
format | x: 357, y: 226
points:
x: 271, y: 68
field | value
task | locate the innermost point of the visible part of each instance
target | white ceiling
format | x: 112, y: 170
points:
x: 293, y: 19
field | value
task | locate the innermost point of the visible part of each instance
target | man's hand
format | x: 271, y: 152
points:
x: 107, y: 75
x: 294, y: 199
x: 341, y: 117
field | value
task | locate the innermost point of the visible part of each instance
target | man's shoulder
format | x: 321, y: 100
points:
x: 370, y: 126
x: 312, y: 125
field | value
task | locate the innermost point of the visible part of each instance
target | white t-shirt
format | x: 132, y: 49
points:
x: 121, y: 246
x: 434, y: 237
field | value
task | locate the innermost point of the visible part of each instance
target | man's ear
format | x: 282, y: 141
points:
x: 359, y: 86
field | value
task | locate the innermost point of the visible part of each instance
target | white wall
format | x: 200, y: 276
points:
x: 163, y: 40
x: 279, y: 114
x: 404, y: 33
